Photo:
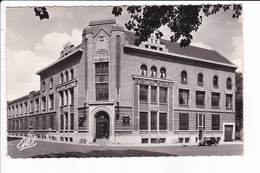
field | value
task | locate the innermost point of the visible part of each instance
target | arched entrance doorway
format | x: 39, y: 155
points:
x: 102, y: 125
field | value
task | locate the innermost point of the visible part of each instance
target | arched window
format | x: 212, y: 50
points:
x: 229, y: 83
x: 71, y: 74
x: 200, y: 79
x: 215, y: 81
x: 66, y: 76
x: 153, y: 71
x: 143, y: 70
x: 163, y: 73
x: 43, y: 85
x: 184, y: 77
x: 61, y: 78
x: 51, y: 83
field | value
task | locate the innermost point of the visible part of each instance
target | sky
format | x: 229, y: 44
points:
x: 32, y: 44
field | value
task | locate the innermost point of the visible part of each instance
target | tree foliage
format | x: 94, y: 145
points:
x: 182, y: 20
x: 239, y: 101
x: 41, y: 12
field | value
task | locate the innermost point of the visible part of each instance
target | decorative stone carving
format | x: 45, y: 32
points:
x: 145, y: 81
x: 67, y: 48
x: 101, y: 49
x: 64, y: 87
x: 154, y: 108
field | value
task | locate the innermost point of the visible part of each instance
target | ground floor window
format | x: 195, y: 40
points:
x: 163, y: 121
x: 183, y: 121
x: 71, y: 121
x: 52, y: 122
x: 143, y: 121
x: 215, y: 122
x: 82, y: 120
x: 153, y: 120
x: 61, y: 122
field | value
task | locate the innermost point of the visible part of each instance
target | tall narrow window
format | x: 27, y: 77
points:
x: 71, y: 121
x: 43, y: 103
x: 43, y: 85
x: 25, y: 107
x: 44, y: 122
x: 143, y: 93
x: 66, y: 121
x: 229, y: 83
x: 163, y: 95
x: 184, y: 77
x: 82, y: 118
x: 143, y: 70
x: 51, y: 83
x: 66, y: 76
x: 51, y: 101
x: 229, y: 101
x: 37, y: 123
x: 215, y: 124
x: 143, y: 121
x: 153, y: 72
x: 200, y: 98
x: 61, y: 98
x: 71, y: 90
x: 37, y: 105
x: 183, y: 121
x: 31, y: 106
x: 102, y: 81
x: 183, y: 97
x: 200, y: 79
x: 61, y: 78
x: 25, y: 124
x: 153, y: 94
x: 162, y: 121
x: 52, y: 122
x: 71, y: 74
x: 66, y: 97
x: 153, y: 120
x: 215, y: 98
x: 163, y: 73
x: 61, y: 122
x: 21, y: 109
x: 215, y: 81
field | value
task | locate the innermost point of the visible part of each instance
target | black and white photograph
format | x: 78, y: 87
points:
x: 124, y: 81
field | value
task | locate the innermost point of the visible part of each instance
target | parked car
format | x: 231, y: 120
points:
x: 208, y: 141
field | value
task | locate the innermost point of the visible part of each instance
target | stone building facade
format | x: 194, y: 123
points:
x: 108, y: 88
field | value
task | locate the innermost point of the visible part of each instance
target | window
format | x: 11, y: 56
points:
x: 200, y: 120
x: 163, y: 73
x: 71, y: 90
x: 162, y: 121
x: 215, y: 122
x: 71, y: 121
x: 163, y: 95
x: 66, y: 121
x: 31, y: 106
x: 61, y: 98
x: 51, y: 101
x: 43, y: 103
x: 143, y: 70
x: 102, y: 75
x: 143, y: 121
x: 153, y: 120
x: 143, y: 93
x: 52, y: 122
x: 66, y: 97
x: 66, y: 76
x: 25, y: 124
x: 16, y: 110
x: 61, y: 78
x: 37, y: 105
x: 37, y: 123
x: 61, y: 122
x: 183, y: 97
x: 43, y: 85
x: 200, y: 97
x: 153, y: 72
x: 183, y: 121
x: 51, y: 83
x: 153, y: 94
x: 183, y: 77
x: 215, y: 97
x: 71, y: 74
x: 21, y: 109
x: 25, y: 107
x: 44, y: 122
x: 229, y: 101
x: 215, y: 81
x: 229, y: 83
x: 200, y: 79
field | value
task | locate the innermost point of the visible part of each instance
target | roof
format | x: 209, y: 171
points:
x: 191, y: 51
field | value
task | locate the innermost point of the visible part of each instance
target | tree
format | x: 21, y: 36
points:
x: 239, y: 102
x: 180, y: 19
x: 41, y: 12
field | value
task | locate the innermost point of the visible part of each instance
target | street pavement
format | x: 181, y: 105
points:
x: 46, y: 149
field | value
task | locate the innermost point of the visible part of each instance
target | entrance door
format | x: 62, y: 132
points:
x: 102, y: 125
x: 228, y: 132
